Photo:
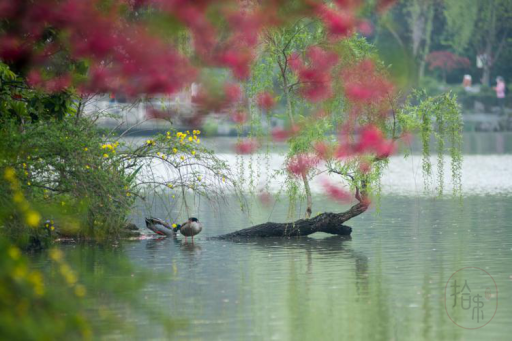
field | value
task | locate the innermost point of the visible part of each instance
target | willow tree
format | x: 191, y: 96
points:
x: 346, y: 120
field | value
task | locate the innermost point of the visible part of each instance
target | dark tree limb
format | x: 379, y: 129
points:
x: 331, y: 223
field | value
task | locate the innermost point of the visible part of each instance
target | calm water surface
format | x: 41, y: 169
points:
x: 386, y: 282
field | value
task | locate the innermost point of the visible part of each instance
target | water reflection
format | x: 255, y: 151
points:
x: 385, y: 282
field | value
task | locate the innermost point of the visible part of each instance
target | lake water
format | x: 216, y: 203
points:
x: 386, y: 282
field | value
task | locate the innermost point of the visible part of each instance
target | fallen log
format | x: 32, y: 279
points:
x: 331, y: 223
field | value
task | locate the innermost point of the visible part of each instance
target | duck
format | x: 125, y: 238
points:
x: 160, y: 227
x: 191, y: 228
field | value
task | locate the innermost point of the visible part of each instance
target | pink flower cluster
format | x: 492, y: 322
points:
x: 314, y: 77
x: 301, y: 164
x: 365, y: 86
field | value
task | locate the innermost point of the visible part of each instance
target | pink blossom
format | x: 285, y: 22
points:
x: 239, y: 117
x: 335, y: 192
x: 265, y: 198
x: 322, y: 150
x: 301, y: 164
x: 321, y: 59
x: 365, y: 28
x: 247, y: 146
x: 372, y: 140
x: 280, y: 134
x: 233, y: 92
x: 340, y: 24
x: 238, y: 61
x: 295, y: 62
x: 265, y: 100
x: 12, y: 49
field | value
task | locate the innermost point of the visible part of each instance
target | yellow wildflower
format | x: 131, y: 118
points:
x: 174, y: 225
x: 86, y: 149
x: 33, y: 218
x: 17, y: 197
x: 14, y: 252
x: 174, y: 150
x: 223, y: 179
x: 199, y: 178
x: 80, y: 290
x: 193, y: 152
x: 170, y: 185
x: 182, y: 158
x: 9, y: 174
x: 105, y: 156
x: 198, y: 140
x: 190, y: 139
x: 87, y: 167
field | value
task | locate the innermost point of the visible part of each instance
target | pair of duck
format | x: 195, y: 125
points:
x: 190, y: 228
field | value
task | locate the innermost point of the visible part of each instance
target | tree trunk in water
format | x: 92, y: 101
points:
x: 331, y: 223
x: 309, y: 198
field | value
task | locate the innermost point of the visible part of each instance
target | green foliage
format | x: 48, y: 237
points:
x: 33, y: 309
x: 67, y: 171
x: 460, y: 22
x: 439, y: 117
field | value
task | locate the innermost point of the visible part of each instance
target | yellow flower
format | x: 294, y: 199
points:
x: 33, y: 218
x: 87, y: 167
x: 29, y: 183
x: 128, y: 194
x: 174, y: 225
x: 174, y: 150
x: 223, y: 179
x: 9, y: 174
x: 24, y: 165
x: 86, y: 149
x: 199, y: 178
x: 198, y: 132
x: 105, y: 156
x: 164, y: 157
x: 190, y: 139
x: 150, y: 142
x: 14, y: 252
x: 182, y: 158
x: 17, y: 197
x: 80, y: 290
x: 198, y: 140
x: 173, y: 196
x: 170, y: 185
x: 193, y: 152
